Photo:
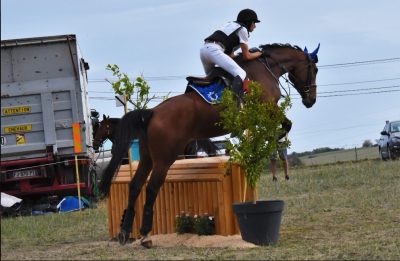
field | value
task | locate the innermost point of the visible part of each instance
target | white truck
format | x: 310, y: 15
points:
x: 43, y: 94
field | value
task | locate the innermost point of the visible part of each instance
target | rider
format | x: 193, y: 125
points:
x: 219, y: 47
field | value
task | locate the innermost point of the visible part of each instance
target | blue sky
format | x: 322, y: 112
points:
x: 161, y: 40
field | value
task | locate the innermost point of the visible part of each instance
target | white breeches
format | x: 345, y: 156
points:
x: 211, y: 54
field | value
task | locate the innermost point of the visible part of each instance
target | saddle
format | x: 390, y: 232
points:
x: 216, y: 75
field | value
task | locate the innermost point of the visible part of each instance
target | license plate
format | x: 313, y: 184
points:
x: 24, y: 173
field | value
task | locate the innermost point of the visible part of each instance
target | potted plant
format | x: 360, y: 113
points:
x: 256, y: 127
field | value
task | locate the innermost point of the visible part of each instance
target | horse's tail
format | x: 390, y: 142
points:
x: 132, y: 125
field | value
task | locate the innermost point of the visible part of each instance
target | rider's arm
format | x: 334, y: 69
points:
x: 248, y: 55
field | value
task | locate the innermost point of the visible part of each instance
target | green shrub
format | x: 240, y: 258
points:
x: 184, y: 223
x: 204, y: 225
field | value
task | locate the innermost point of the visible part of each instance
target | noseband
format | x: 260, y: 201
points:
x: 307, y: 88
x: 107, y: 132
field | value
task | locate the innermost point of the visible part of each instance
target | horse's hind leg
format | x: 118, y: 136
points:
x: 153, y: 187
x: 135, y: 187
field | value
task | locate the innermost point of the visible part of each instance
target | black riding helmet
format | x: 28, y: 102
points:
x: 246, y: 17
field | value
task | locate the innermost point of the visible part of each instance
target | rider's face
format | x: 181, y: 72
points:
x: 252, y: 26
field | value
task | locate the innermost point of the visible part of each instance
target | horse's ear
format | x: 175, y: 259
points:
x: 104, y: 117
x: 305, y: 50
x: 314, y: 55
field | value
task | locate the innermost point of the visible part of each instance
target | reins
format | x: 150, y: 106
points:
x: 306, y: 88
x: 268, y: 67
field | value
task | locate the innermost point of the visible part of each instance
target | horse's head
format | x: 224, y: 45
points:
x: 300, y: 66
x: 303, y: 76
x: 103, y: 132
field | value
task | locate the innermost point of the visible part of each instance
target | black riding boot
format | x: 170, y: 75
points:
x: 237, y: 85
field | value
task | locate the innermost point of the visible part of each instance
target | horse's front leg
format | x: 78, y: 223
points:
x: 286, y: 127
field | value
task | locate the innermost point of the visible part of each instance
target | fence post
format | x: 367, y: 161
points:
x: 355, y: 150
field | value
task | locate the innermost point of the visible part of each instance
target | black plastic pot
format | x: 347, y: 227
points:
x: 259, y: 222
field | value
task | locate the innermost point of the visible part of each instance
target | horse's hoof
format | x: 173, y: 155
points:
x: 146, y: 242
x: 123, y: 237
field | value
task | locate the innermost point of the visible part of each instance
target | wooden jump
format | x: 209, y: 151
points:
x: 194, y: 186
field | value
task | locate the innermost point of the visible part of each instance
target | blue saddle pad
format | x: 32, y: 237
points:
x: 211, y: 93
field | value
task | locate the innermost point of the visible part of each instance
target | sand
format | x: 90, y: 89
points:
x: 194, y: 240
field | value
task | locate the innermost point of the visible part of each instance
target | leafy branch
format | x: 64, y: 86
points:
x: 124, y: 86
x: 256, y: 127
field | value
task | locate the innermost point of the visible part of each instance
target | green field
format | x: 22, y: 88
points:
x: 341, y: 156
x: 337, y: 211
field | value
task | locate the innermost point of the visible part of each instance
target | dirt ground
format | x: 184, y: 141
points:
x: 175, y: 245
x: 193, y: 240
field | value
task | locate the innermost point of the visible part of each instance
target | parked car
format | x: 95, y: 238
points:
x: 389, y: 143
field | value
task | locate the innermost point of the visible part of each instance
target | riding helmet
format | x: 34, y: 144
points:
x: 247, y: 15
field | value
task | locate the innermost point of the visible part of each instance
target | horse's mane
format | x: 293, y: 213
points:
x: 279, y: 45
x: 268, y: 47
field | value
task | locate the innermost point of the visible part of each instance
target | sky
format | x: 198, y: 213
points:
x: 359, y: 59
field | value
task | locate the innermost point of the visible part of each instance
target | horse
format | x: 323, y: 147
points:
x: 164, y: 130
x: 106, y: 130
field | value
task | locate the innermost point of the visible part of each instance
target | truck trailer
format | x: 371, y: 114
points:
x: 45, y: 117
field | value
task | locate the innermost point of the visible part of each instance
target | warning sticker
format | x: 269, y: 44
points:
x: 16, y: 110
x: 19, y: 138
x: 18, y: 128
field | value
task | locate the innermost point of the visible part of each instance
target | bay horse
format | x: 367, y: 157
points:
x: 106, y: 130
x: 164, y: 130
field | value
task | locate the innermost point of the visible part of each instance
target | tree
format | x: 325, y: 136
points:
x: 367, y: 144
x: 261, y: 120
x: 124, y: 86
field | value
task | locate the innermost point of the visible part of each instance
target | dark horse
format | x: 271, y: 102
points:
x: 106, y: 130
x: 164, y: 131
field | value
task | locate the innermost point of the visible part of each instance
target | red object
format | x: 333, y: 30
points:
x: 20, y: 162
x: 246, y: 85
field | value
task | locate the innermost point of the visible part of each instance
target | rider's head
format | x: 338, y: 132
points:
x: 247, y: 17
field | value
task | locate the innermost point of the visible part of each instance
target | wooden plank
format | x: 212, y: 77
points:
x: 227, y: 190
x: 210, y: 198
x: 221, y: 209
x: 186, y: 198
x: 236, y: 183
x: 171, y: 207
x: 110, y: 215
x: 194, y: 177
x: 181, y: 197
x: 176, y: 197
x: 168, y: 209
x: 115, y: 202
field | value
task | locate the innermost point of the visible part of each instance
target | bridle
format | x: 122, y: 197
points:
x: 305, y: 90
x: 107, y: 134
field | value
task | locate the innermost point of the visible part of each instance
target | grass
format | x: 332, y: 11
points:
x: 340, y: 211
x: 341, y: 156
